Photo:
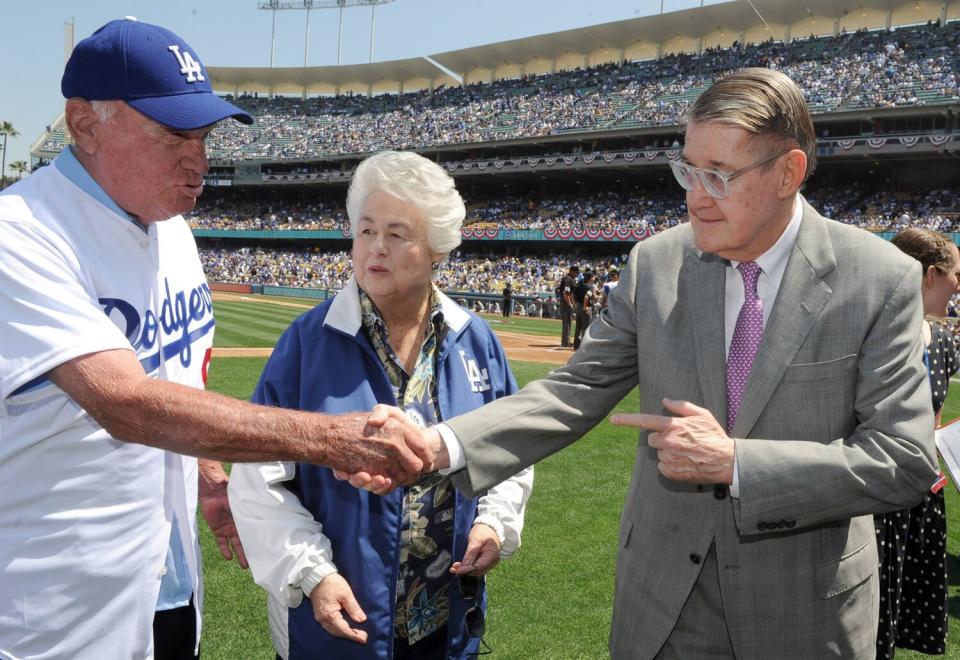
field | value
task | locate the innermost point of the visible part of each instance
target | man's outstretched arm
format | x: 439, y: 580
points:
x: 112, y: 387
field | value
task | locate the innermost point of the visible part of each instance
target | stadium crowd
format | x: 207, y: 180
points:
x: 466, y: 272
x: 854, y: 203
x: 908, y: 66
x: 462, y: 271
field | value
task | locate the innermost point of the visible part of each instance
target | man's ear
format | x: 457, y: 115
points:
x: 794, y: 171
x: 83, y: 123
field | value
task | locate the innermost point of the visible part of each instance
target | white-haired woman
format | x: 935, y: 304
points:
x: 398, y: 575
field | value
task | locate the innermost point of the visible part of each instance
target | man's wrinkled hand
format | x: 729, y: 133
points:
x: 691, y: 447
x: 330, y: 599
x: 384, y: 444
x: 436, y: 457
x: 215, y: 508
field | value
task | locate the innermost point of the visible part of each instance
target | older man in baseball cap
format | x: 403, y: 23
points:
x: 104, y: 349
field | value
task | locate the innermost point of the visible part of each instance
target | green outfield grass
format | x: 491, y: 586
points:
x: 258, y: 324
x: 251, y: 324
x: 527, y: 326
x: 553, y: 599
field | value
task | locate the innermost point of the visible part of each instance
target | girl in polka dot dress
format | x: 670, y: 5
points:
x: 913, y: 542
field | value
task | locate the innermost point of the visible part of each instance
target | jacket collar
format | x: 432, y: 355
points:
x: 346, y: 316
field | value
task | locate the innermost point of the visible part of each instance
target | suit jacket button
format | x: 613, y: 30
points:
x: 762, y: 526
x: 699, y: 488
x: 791, y: 524
x: 695, y: 558
x: 781, y: 524
x: 720, y: 492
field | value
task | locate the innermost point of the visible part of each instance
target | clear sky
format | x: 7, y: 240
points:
x: 236, y: 33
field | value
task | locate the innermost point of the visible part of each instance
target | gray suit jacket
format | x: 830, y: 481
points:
x: 835, y: 425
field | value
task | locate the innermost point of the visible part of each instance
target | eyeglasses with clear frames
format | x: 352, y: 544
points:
x: 715, y: 182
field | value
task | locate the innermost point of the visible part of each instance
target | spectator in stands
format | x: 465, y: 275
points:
x: 106, y: 342
x: 860, y: 70
x: 912, y: 543
x: 350, y: 574
x: 613, y: 279
x: 878, y: 208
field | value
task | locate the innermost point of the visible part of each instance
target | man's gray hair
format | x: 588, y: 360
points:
x: 411, y: 178
x: 104, y: 109
x: 763, y: 102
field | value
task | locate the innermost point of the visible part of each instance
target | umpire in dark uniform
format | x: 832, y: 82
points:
x: 583, y: 298
x: 568, y: 283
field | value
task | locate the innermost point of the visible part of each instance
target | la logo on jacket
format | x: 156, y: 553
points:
x: 479, y: 380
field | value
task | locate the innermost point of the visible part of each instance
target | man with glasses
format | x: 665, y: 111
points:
x: 782, y: 394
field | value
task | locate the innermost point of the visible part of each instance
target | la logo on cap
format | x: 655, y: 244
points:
x: 188, y: 66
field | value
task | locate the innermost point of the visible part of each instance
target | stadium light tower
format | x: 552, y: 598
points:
x: 279, y: 5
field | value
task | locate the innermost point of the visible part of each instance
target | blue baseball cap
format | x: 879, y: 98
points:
x: 153, y: 70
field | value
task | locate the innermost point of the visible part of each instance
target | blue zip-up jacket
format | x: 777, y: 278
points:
x: 325, y: 363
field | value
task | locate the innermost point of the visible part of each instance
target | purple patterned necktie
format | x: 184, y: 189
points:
x: 746, y: 339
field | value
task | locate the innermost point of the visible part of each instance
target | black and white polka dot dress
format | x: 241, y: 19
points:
x: 913, y: 545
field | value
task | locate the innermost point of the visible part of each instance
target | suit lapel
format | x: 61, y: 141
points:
x: 801, y: 297
x: 703, y: 281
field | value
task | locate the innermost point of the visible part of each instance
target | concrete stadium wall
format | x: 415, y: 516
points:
x: 537, y: 66
x: 817, y: 26
x: 322, y: 89
x: 384, y: 87
x: 604, y: 56
x: 953, y: 10
x: 287, y: 88
x: 642, y: 50
x: 355, y: 87
x: 478, y: 75
x: 681, y: 43
x: 760, y: 33
x: 571, y: 61
x: 915, y: 13
x: 865, y: 17
x: 416, y: 84
x: 720, y: 38
x: 507, y: 71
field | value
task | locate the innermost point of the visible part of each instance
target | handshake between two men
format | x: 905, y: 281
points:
x: 691, y: 446
x: 394, y: 450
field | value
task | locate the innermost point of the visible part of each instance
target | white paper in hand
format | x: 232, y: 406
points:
x: 948, y: 444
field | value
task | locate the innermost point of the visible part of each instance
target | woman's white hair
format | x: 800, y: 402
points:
x: 411, y: 178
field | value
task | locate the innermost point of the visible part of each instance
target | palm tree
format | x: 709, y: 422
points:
x: 20, y: 167
x: 6, y: 128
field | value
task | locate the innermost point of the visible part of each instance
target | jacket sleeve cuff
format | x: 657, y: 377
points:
x: 454, y: 449
x: 492, y: 522
x: 315, y: 577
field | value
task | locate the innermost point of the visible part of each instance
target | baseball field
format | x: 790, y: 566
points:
x: 553, y: 599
